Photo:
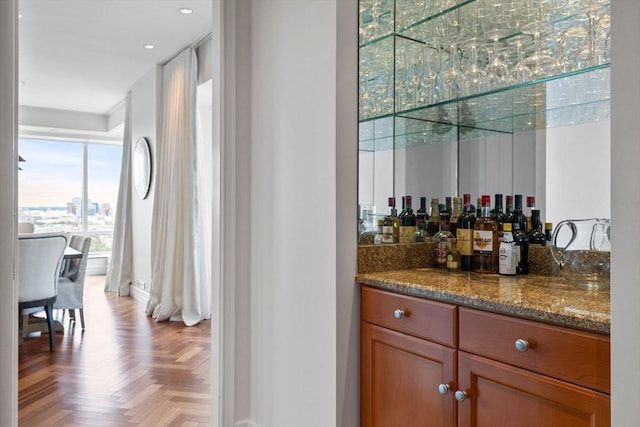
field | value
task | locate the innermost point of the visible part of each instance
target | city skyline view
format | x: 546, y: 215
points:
x: 51, y: 176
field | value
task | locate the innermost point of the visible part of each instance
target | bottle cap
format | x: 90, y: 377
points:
x: 506, y: 226
x: 531, y: 201
x: 486, y: 200
x: 408, y: 200
x: 466, y: 199
x: 392, y: 201
x: 548, y: 226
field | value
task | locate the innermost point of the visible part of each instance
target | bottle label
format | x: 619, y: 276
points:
x: 465, y: 241
x: 387, y: 234
x: 407, y: 233
x: 483, y: 241
x: 507, y: 259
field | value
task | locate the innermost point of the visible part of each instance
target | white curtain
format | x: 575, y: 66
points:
x: 120, y: 270
x: 178, y: 258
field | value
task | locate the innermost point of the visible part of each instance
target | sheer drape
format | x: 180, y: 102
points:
x: 177, y: 257
x: 120, y: 271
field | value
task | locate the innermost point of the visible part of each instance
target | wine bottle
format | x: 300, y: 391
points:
x: 498, y: 213
x: 507, y: 252
x: 531, y: 205
x: 453, y: 221
x: 536, y: 235
x: 421, y: 221
x: 433, y: 225
x: 407, y: 221
x: 485, y: 240
x: 464, y: 234
x: 518, y: 215
x: 522, y: 249
x: 390, y: 224
x: 443, y: 241
x: 508, y: 210
x: 379, y: 232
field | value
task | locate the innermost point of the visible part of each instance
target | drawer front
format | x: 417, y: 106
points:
x: 431, y: 320
x: 577, y: 357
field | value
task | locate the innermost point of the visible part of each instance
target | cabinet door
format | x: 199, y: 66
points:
x: 401, y: 377
x: 500, y: 395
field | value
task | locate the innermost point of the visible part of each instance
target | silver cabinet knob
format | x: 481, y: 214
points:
x: 522, y: 345
x: 460, y: 395
x: 443, y: 389
x: 398, y: 314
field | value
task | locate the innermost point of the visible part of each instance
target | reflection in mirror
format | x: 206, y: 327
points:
x: 141, y: 162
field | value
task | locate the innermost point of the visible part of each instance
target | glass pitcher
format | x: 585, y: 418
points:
x: 585, y: 257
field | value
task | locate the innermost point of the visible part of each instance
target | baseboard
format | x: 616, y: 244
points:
x: 245, y: 423
x: 139, y: 294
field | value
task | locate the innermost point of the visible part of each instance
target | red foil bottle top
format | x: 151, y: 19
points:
x: 466, y: 199
x: 531, y: 201
x: 392, y: 201
x: 486, y: 200
x: 408, y: 200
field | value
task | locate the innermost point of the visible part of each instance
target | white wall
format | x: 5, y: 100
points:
x: 144, y: 107
x: 8, y: 203
x: 625, y: 205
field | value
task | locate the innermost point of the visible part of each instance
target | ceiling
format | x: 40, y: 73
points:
x: 85, y: 55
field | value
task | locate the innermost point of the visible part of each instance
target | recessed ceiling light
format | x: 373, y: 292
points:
x: 148, y: 46
x: 186, y: 10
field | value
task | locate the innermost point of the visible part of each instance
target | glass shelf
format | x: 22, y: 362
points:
x: 533, y: 106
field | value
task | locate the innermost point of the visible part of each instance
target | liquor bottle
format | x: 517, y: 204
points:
x: 508, y: 211
x: 433, y: 225
x: 531, y: 205
x: 443, y: 241
x: 453, y: 259
x: 518, y: 215
x: 548, y: 231
x: 421, y: 221
x: 464, y: 234
x: 536, y: 235
x: 498, y: 212
x: 507, y: 252
x: 391, y: 224
x: 485, y: 240
x: 453, y: 221
x: 407, y: 222
x: 522, y: 249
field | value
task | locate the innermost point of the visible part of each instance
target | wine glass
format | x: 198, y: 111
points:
x: 497, y: 71
x: 452, y: 82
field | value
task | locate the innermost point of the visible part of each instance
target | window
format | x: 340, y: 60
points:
x: 70, y: 186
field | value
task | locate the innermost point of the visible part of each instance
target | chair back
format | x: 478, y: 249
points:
x: 76, y: 268
x: 39, y: 257
x: 25, y: 227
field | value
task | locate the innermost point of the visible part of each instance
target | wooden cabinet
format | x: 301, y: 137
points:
x: 493, y: 370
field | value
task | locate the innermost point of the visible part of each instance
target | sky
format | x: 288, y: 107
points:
x: 52, y: 173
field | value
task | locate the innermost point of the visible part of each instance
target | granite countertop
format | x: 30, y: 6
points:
x: 544, y: 298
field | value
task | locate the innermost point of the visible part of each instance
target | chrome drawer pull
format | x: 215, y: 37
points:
x: 461, y: 396
x: 398, y: 314
x: 522, y: 345
x: 443, y: 389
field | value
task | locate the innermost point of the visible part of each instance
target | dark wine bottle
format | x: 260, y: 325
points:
x: 464, y: 234
x: 407, y: 221
x: 433, y: 225
x: 498, y: 213
x: 536, y: 235
x: 522, y: 249
x: 508, y: 210
x: 518, y: 215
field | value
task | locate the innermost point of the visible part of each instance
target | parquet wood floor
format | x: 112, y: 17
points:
x: 123, y: 370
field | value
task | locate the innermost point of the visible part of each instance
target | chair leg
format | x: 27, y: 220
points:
x: 25, y: 324
x: 52, y: 332
x: 82, y: 318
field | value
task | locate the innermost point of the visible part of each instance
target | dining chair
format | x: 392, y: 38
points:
x: 71, y: 283
x: 39, y: 258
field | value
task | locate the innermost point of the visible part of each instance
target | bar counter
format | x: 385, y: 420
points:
x: 548, y: 299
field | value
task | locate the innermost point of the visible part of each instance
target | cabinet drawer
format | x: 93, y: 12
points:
x: 419, y: 317
x: 578, y: 357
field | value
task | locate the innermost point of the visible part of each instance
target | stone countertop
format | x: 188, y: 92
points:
x: 543, y: 298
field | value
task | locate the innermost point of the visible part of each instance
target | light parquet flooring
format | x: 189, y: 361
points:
x: 123, y: 370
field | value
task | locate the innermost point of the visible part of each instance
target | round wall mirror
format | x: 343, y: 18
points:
x: 141, y: 167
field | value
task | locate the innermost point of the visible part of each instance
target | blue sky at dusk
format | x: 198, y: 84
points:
x: 52, y: 173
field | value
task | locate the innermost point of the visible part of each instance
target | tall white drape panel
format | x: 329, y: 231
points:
x: 177, y: 254
x: 120, y: 270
